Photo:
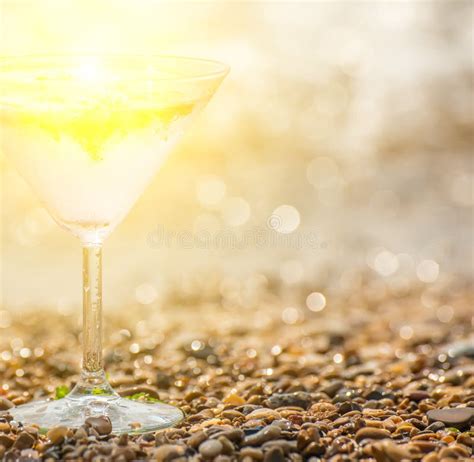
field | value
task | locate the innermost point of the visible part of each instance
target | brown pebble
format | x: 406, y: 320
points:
x: 231, y: 414
x: 234, y: 400
x: 271, y: 432
x: 425, y: 446
x: 192, y: 395
x: 455, y: 452
x: 24, y: 441
x: 210, y: 449
x: 5, y: 404
x: 167, y: 452
x: 418, y: 395
x: 466, y: 439
x: 274, y: 455
x: 123, y: 439
x: 388, y: 451
x: 4, y: 427
x: 371, y: 433
x: 57, y: 434
x: 80, y: 434
x: 101, y: 424
x: 196, y: 439
x: 235, y: 435
x: 252, y: 453
x: 458, y: 417
x: 227, y: 446
x: 6, y: 441
x: 264, y: 414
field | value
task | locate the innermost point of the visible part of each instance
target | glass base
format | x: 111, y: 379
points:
x: 127, y: 416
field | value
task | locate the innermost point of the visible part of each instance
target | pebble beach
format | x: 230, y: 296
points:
x: 391, y: 382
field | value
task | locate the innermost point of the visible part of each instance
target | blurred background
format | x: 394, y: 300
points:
x: 337, y: 156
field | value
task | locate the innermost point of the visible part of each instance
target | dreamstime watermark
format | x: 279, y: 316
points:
x: 264, y: 237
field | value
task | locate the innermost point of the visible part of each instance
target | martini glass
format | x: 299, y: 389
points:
x: 88, y: 133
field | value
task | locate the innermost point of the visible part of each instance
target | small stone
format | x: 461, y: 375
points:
x: 235, y: 435
x: 349, y: 406
x: 285, y: 445
x: 123, y: 439
x: 80, y: 434
x: 297, y: 399
x: 263, y: 414
x: 425, y: 446
x: 227, y: 446
x: 332, y: 388
x: 388, y: 451
x: 371, y: 433
x: 24, y: 441
x: 6, y: 441
x: 57, y: 434
x: 459, y: 417
x: 376, y: 394
x: 418, y: 395
x: 234, y: 400
x: 210, y: 449
x: 435, y: 426
x: 466, y: 439
x: 193, y: 394
x: 274, y: 455
x: 271, y: 432
x: 252, y: 453
x: 5, y: 404
x: 124, y: 453
x: 4, y: 427
x: 196, y: 439
x: 101, y: 425
x: 167, y: 452
x: 454, y: 452
x: 314, y: 449
x: 163, y: 380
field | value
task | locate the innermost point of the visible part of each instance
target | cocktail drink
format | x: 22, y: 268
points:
x: 88, y: 133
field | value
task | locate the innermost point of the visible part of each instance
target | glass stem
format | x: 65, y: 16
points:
x: 92, y: 308
x: 93, y: 380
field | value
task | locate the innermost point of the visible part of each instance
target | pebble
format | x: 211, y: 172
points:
x: 388, y: 451
x: 235, y: 435
x: 210, y: 449
x: 80, y: 434
x: 332, y: 388
x: 5, y: 404
x: 371, y: 433
x: 57, y: 434
x: 4, y: 427
x: 271, y: 432
x: 459, y: 417
x: 435, y: 426
x: 196, y: 439
x: 234, y: 400
x: 274, y: 455
x: 24, y: 441
x: 101, y: 424
x: 298, y: 399
x: 264, y: 414
x: 168, y: 452
x: 252, y: 453
x: 227, y: 446
x: 6, y: 441
x: 418, y: 395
